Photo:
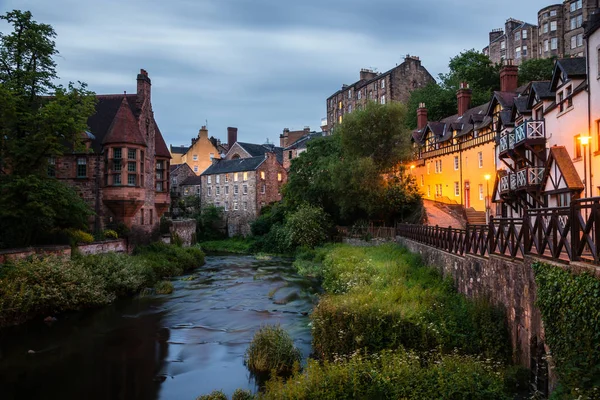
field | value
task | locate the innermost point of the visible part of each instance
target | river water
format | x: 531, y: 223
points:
x: 175, y: 346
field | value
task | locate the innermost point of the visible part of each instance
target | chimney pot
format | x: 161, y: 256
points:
x: 509, y: 77
x: 421, y: 116
x: 463, y: 96
x: 231, y: 136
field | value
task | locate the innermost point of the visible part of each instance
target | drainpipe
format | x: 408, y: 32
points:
x: 587, y: 67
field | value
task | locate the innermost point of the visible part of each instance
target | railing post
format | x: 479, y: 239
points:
x: 574, y: 211
x: 525, y: 228
x: 490, y: 235
x: 595, y: 212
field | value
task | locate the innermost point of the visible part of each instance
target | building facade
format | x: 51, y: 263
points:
x: 298, y: 147
x: 393, y: 85
x: 518, y: 41
x: 124, y: 172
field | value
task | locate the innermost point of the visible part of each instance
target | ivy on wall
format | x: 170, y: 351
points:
x: 570, y: 307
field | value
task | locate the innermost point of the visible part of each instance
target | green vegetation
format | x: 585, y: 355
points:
x: 239, y: 245
x: 110, y: 234
x: 271, y: 350
x: 392, y: 375
x: 163, y: 287
x: 240, y: 394
x: 536, y: 70
x: 50, y: 285
x: 214, y: 395
x: 570, y: 307
x: 38, y: 120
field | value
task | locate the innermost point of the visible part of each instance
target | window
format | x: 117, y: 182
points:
x: 263, y: 188
x: 131, y: 179
x: 262, y: 175
x: 573, y: 6
x: 51, y: 167
x: 428, y: 168
x: 383, y: 84
x: 545, y: 28
x: 226, y: 178
x: 81, y: 167
x: 480, y: 158
x: 422, y: 180
x: 195, y: 157
x: 553, y: 13
x: 573, y: 42
x: 359, y: 95
x: 279, y: 177
x: 350, y: 93
x: 340, y: 105
x: 383, y: 99
x: 289, y: 155
x: 209, y: 191
x: 211, y: 156
x: 552, y: 26
x: 503, y: 45
x: 573, y: 23
x: 131, y: 166
x: 440, y: 166
x: 235, y: 205
x: 218, y: 179
x: 546, y: 45
x: 209, y: 179
x: 116, y: 179
x: 456, y: 163
x: 577, y: 143
x: 245, y: 205
x: 518, y: 52
x: 561, y: 105
x: 518, y: 35
x: 554, y: 43
x: 340, y: 119
x: 245, y: 189
x: 218, y: 190
x: 350, y: 108
x: 131, y: 154
x: 217, y: 204
x: 480, y: 191
x: 524, y: 34
x: 142, y: 216
x: 159, y: 186
x: 598, y: 134
x: 569, y: 91
x: 428, y: 190
x: 524, y: 51
x: 117, y: 152
x: 195, y: 168
x: 235, y: 190
x: 235, y: 177
x: 580, y: 40
x: 245, y: 176
x: 226, y: 206
x: 226, y: 189
x: 456, y: 189
x: 198, y: 190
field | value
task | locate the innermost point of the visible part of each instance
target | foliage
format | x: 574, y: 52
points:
x: 536, y: 69
x: 79, y: 236
x: 214, y: 395
x: 169, y: 260
x: 165, y: 225
x: 269, y: 215
x: 240, y: 394
x: 236, y: 244
x: 570, y: 307
x: 34, y: 126
x: 110, y: 234
x: 472, y: 67
x: 399, y: 199
x: 121, y: 274
x: 271, y: 350
x: 163, y: 287
x: 383, y: 298
x: 308, y: 226
x: 393, y: 375
x: 210, y: 224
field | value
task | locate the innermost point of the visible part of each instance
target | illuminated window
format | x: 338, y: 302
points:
x: 245, y: 176
x: 279, y: 177
x: 422, y: 180
x: 428, y: 190
x: 235, y: 177
x: 262, y: 175
x: 577, y: 143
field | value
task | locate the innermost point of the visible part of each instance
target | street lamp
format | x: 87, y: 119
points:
x: 411, y: 169
x: 585, y: 141
x: 487, y: 203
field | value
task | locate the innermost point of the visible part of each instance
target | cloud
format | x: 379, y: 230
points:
x: 260, y: 65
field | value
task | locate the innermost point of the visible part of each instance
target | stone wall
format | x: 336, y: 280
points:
x: 106, y: 246
x: 19, y: 254
x: 185, y: 229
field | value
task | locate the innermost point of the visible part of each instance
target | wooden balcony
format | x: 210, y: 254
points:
x: 524, y: 179
x: 530, y: 133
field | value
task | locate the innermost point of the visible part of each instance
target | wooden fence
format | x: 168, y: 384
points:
x: 561, y: 233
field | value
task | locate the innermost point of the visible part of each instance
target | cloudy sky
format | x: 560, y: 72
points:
x: 259, y: 65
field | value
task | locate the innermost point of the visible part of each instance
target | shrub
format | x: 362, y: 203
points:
x: 392, y: 375
x: 271, y: 349
x: 269, y: 215
x: 308, y: 226
x: 241, y: 394
x: 214, y: 395
x: 79, y: 236
x: 169, y: 260
x: 163, y: 287
x: 110, y: 234
x: 121, y: 274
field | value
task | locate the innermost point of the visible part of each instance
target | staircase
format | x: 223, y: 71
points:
x: 475, y: 217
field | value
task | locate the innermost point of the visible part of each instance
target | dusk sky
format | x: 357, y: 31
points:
x: 259, y: 65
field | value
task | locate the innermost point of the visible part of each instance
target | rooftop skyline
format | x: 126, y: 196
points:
x: 261, y: 65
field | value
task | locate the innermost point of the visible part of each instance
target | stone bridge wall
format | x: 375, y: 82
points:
x: 185, y: 229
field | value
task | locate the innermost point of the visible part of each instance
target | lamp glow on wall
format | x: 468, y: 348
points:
x: 585, y: 141
x: 487, y: 203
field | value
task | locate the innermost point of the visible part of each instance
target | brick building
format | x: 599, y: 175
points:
x: 298, y: 147
x: 242, y: 186
x: 124, y: 172
x: 393, y: 85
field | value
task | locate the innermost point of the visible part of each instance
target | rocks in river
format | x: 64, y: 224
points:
x: 50, y: 319
x: 31, y: 352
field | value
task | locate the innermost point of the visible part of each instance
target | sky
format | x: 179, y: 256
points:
x: 258, y: 65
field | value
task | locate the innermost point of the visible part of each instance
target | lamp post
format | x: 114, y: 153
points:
x: 585, y: 141
x: 411, y: 169
x: 487, y: 203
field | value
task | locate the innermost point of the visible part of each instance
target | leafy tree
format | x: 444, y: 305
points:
x: 309, y: 226
x: 440, y: 103
x: 536, y: 70
x: 37, y: 120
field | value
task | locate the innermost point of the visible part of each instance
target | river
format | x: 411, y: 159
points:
x: 175, y: 346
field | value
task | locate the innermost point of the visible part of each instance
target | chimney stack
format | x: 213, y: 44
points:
x: 509, y: 77
x: 203, y: 133
x: 421, y: 116
x: 463, y: 96
x: 231, y: 136
x: 143, y: 88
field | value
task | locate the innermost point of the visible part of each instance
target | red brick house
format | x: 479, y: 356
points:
x: 124, y: 172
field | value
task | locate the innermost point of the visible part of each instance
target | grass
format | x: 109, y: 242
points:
x: 237, y: 245
x: 163, y: 287
x: 271, y: 350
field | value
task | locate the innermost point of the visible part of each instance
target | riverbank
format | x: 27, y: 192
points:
x: 234, y: 245
x: 46, y: 286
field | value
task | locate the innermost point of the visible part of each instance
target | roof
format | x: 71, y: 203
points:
x: 562, y: 158
x: 303, y: 141
x: 592, y: 24
x: 543, y: 89
x: 124, y: 127
x: 173, y: 167
x: 106, y: 109
x: 178, y: 149
x: 193, y: 180
x: 256, y: 150
x: 236, y: 165
x: 573, y: 67
x: 160, y: 147
x: 473, y: 118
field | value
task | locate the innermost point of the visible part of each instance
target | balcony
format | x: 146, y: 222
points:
x: 507, y: 143
x: 524, y: 179
x: 530, y: 132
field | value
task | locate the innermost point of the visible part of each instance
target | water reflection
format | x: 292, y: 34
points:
x: 165, y: 347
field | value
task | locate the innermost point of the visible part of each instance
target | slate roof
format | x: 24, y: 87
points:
x: 178, y: 149
x: 107, y: 107
x: 543, y: 89
x: 256, y: 150
x: 562, y: 158
x: 193, y: 180
x: 235, y: 165
x: 303, y: 141
x: 160, y: 147
x: 573, y: 67
x: 592, y: 24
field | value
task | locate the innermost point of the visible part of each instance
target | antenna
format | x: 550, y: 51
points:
x: 206, y: 121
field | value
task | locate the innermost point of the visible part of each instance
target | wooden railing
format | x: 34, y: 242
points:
x: 422, y: 153
x: 561, y: 233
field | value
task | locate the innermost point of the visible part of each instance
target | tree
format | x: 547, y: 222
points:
x: 470, y: 66
x: 536, y: 70
x: 37, y: 120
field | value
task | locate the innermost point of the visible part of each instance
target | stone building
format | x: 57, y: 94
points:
x: 199, y: 155
x: 242, y: 186
x: 393, y: 85
x: 123, y: 174
x: 288, y: 137
x: 518, y: 41
x: 298, y: 147
x: 179, y: 173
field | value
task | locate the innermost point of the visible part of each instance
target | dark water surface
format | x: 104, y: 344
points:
x: 175, y: 346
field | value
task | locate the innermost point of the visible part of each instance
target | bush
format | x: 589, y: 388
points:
x: 241, y: 394
x: 271, y: 349
x: 163, y: 287
x: 308, y: 226
x: 393, y: 375
x: 79, y: 236
x: 110, y: 234
x: 236, y: 244
x: 121, y: 274
x: 215, y: 395
x: 169, y: 260
x: 269, y: 215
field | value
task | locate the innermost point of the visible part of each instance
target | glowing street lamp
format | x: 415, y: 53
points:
x: 411, y: 169
x: 585, y: 141
x: 487, y: 203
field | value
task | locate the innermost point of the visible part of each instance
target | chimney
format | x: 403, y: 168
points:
x: 307, y: 129
x: 464, y: 98
x: 203, y: 133
x: 509, y: 77
x: 421, y: 116
x: 366, y: 74
x: 231, y: 136
x: 143, y: 88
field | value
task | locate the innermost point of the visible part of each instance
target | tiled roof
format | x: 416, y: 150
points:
x: 178, y: 149
x: 521, y: 105
x: 106, y: 109
x: 543, y: 89
x: 256, y: 150
x: 160, y: 147
x: 235, y: 165
x: 193, y: 180
x: 473, y: 118
x: 573, y: 67
x: 562, y: 158
x: 124, y: 127
x: 303, y: 141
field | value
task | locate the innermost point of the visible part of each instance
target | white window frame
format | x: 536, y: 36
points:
x: 209, y: 191
x: 383, y: 99
x: 218, y: 179
x: 480, y: 159
x: 456, y: 163
x: 195, y: 157
x: 553, y: 26
x: 209, y: 179
x: 481, y: 191
x: 383, y: 83
x: 553, y: 43
x: 456, y: 189
x: 263, y: 189
x: 524, y: 34
x: 235, y: 206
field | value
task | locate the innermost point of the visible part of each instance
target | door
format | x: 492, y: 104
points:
x: 467, y: 193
